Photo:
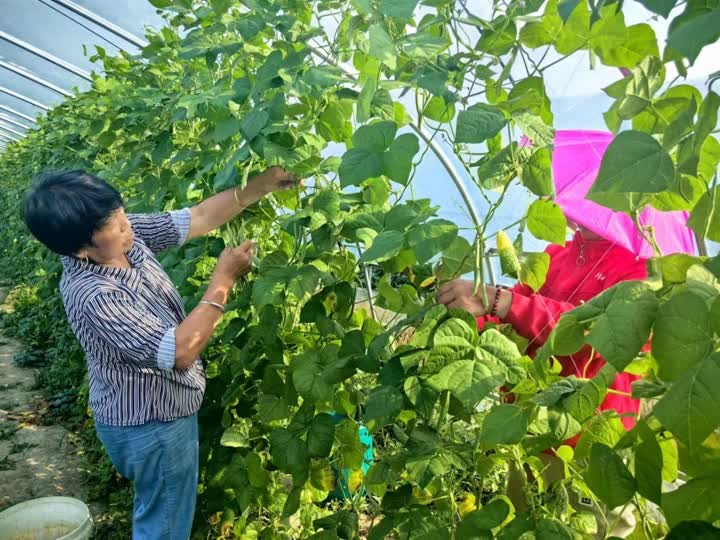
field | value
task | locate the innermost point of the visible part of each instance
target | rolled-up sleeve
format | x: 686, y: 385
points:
x: 162, y: 230
x: 141, y: 337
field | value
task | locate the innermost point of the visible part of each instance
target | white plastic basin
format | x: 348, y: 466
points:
x: 48, y: 518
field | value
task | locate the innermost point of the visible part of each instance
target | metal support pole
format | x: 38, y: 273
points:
x: 6, y: 118
x: 24, y: 98
x: 34, y: 78
x: 46, y: 56
x: 17, y: 113
x: 8, y: 138
x: 11, y: 130
x: 101, y: 22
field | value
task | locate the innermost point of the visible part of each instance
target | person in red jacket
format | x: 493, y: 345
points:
x: 585, y: 267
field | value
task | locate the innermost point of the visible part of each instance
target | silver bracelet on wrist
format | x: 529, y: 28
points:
x: 213, y: 304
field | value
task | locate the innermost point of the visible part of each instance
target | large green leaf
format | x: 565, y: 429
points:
x: 691, y: 408
x: 382, y: 46
x: 619, y: 45
x: 383, y: 404
x: 320, y: 436
x: 648, y: 465
x: 492, y: 515
x: 608, y: 477
x: 682, y: 336
x: 705, y: 217
x: 633, y: 163
x: 504, y: 424
x: 431, y: 238
x: 699, y: 499
x: 537, y: 173
x: 375, y: 137
x: 468, y: 380
x: 386, y: 245
x: 696, y: 27
x: 479, y: 123
x: 402, y: 9
x: 288, y: 451
x: 535, y: 34
x: 358, y: 165
x: 533, y: 269
x: 661, y: 7
x: 621, y: 318
x: 498, y: 36
x: 399, y: 157
x: 546, y: 221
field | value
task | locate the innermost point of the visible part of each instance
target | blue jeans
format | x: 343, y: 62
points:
x: 161, y: 458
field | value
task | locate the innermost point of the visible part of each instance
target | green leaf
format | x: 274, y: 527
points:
x: 492, y: 515
x: 691, y: 408
x: 698, y: 530
x: 288, y: 452
x: 622, y: 46
x: 401, y: 9
x: 533, y: 270
x: 583, y: 403
x: 468, y: 380
x: 546, y: 221
x: 226, y: 128
x: 696, y: 27
x: 705, y: 217
x: 635, y: 93
x: 682, y: 336
x: 321, y: 435
x: 236, y: 436
x: 622, y: 317
x: 496, y: 172
x: 292, y: 503
x: 376, y: 137
x: 537, y: 173
x: 457, y: 259
x: 271, y: 408
x: 698, y: 499
x: 497, y: 37
x: 256, y: 471
x: 608, y: 477
x: 479, y: 123
x: 358, y: 165
x: 567, y: 337
x: 551, y: 529
x: 308, y: 374
x: 431, y: 238
x: 535, y: 129
x: 364, y: 100
x: 633, y: 163
x: 575, y: 33
x: 398, y: 159
x: 382, y: 46
x: 565, y: 8
x: 382, y: 405
x: 386, y: 245
x: 504, y: 424
x: 439, y: 110
x: 661, y: 7
x: 253, y: 123
x: 536, y: 34
x: 648, y: 465
x: 227, y: 176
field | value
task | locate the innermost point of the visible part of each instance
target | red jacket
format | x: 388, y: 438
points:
x: 569, y: 283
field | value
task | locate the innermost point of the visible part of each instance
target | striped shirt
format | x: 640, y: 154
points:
x: 125, y: 320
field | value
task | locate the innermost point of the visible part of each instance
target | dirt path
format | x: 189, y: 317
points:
x: 35, y: 460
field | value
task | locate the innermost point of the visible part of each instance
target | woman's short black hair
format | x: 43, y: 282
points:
x: 65, y: 209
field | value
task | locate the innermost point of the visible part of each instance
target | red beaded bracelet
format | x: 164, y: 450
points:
x: 496, y: 301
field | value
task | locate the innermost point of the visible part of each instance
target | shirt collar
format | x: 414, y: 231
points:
x: 130, y: 276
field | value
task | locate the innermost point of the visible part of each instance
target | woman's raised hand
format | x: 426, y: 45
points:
x: 275, y: 179
x: 235, y: 262
x: 459, y: 294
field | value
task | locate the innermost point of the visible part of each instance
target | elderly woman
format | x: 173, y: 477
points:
x: 146, y: 377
